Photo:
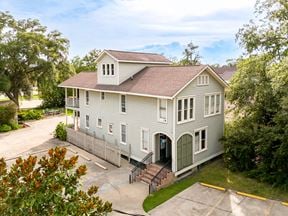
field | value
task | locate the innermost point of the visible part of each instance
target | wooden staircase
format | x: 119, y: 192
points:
x: 163, y: 179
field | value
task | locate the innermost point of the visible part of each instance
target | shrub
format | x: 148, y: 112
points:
x: 31, y: 114
x: 5, y: 128
x: 14, y: 125
x: 60, y: 131
x: 7, y: 113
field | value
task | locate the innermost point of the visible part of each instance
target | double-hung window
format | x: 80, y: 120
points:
x: 145, y: 139
x: 162, y: 110
x: 87, y: 97
x: 102, y: 95
x: 200, y: 140
x: 110, y: 128
x: 123, y: 103
x: 212, y: 104
x: 112, y: 69
x: 99, y: 122
x: 87, y: 123
x: 103, y: 69
x: 108, y: 69
x: 185, y: 109
x: 123, y: 133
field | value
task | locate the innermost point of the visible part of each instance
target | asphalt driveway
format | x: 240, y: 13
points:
x: 200, y: 200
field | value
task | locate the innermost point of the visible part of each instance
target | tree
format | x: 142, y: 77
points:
x: 28, y: 55
x: 49, y: 188
x: 191, y: 55
x: 87, y: 63
x: 268, y: 33
x: 256, y: 141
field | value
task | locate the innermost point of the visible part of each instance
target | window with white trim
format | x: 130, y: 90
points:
x: 87, y: 97
x: 185, y: 109
x: 162, y: 110
x: 102, y: 95
x: 123, y: 103
x: 112, y: 69
x: 123, y: 133
x: 108, y: 69
x: 202, y: 80
x: 110, y: 128
x: 87, y: 124
x: 99, y: 122
x: 145, y: 139
x: 103, y: 69
x: 212, y: 104
x: 200, y: 140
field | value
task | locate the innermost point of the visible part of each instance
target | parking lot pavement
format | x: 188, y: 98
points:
x: 204, y: 201
x: 113, y: 182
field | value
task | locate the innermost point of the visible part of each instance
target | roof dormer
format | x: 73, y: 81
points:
x: 114, y: 67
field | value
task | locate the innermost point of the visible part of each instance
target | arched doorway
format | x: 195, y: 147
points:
x: 162, y: 148
x: 184, y: 151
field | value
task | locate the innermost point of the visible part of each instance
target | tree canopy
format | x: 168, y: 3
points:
x: 29, y: 55
x: 190, y: 55
x: 87, y: 63
x: 49, y: 186
x: 256, y: 141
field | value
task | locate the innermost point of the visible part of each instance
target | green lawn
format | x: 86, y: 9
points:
x: 215, y: 173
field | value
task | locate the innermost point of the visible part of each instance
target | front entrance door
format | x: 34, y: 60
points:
x: 165, y: 145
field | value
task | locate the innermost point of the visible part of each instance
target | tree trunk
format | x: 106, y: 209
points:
x: 15, y: 98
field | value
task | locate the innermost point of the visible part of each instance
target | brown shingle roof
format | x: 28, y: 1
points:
x: 138, y: 56
x: 226, y: 72
x: 157, y: 81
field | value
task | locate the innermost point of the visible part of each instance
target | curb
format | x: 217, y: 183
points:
x: 251, y: 196
x: 213, y: 186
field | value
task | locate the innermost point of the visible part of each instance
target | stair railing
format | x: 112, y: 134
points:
x: 140, y: 166
x: 154, y: 182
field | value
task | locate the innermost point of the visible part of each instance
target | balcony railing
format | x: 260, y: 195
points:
x: 72, y: 102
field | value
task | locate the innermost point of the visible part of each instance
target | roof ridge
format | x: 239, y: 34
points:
x: 204, y: 65
x: 133, y: 52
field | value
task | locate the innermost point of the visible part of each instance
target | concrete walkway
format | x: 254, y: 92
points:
x: 200, y: 200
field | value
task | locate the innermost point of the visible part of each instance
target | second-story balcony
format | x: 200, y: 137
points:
x: 72, y: 102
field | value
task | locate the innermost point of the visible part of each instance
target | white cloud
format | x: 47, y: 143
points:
x: 128, y: 24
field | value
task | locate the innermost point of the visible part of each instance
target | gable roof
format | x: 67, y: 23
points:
x: 154, y: 81
x: 137, y: 57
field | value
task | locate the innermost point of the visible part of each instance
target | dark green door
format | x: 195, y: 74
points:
x: 184, y: 151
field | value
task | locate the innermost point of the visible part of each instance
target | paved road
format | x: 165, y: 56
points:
x: 199, y: 200
x: 16, y: 142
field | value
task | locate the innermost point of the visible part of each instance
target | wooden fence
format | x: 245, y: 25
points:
x: 98, y: 147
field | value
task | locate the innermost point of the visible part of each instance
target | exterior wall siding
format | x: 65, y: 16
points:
x: 141, y: 112
x: 215, y: 123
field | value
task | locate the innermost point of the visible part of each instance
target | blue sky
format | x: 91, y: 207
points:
x: 162, y: 26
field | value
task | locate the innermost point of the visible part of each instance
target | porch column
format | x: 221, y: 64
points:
x: 73, y: 96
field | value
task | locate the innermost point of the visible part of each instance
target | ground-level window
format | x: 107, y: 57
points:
x: 184, y: 151
x: 123, y: 133
x: 110, y: 128
x: 123, y: 103
x: 87, y: 124
x: 99, y: 122
x: 145, y: 139
x: 102, y: 95
x: 162, y: 110
x: 87, y: 97
x: 185, y: 109
x: 200, y: 140
x: 212, y: 104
